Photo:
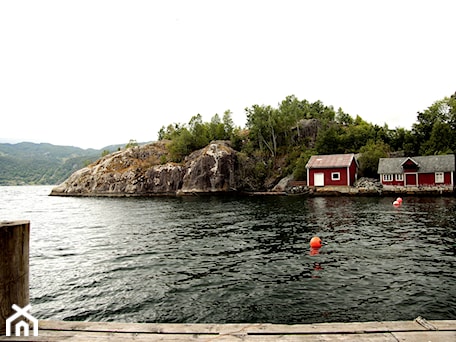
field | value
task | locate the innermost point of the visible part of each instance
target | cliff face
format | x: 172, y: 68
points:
x: 138, y: 172
x: 211, y: 169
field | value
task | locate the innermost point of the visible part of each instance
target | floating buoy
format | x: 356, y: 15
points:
x: 399, y: 200
x: 396, y: 203
x: 315, y: 242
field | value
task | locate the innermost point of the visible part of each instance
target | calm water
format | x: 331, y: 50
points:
x: 235, y: 259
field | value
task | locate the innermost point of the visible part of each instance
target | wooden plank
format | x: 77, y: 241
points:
x: 426, y: 336
x: 347, y: 328
x: 259, y: 329
x: 444, y: 324
x: 129, y: 327
x: 76, y: 336
x: 357, y: 332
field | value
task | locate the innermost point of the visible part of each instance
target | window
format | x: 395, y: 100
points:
x: 387, y: 178
x: 335, y: 176
x: 439, y: 178
x: 399, y: 177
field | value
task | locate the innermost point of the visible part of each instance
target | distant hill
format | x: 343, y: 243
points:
x: 29, y: 163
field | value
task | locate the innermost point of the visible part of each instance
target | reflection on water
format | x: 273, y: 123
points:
x: 234, y: 259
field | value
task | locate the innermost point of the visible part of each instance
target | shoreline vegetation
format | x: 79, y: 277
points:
x: 278, y: 141
x: 285, y: 137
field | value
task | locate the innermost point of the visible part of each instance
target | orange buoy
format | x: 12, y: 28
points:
x: 315, y: 242
x: 396, y: 203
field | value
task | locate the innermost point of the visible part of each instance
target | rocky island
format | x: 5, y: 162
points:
x: 270, y: 155
x: 214, y: 169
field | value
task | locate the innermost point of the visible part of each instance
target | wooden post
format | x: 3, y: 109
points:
x: 14, y: 268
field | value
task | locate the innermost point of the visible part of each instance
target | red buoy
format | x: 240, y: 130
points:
x: 315, y: 242
x: 396, y: 203
x: 399, y: 200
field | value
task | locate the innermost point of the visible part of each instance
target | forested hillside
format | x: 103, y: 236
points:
x: 29, y: 163
x: 278, y: 141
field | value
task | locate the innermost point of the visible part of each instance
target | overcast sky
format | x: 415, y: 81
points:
x: 95, y: 73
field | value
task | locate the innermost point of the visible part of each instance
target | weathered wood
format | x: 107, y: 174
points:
x: 426, y: 336
x: 14, y: 268
x: 424, y: 323
x: 98, y: 337
x: 408, y: 331
x: 256, y: 328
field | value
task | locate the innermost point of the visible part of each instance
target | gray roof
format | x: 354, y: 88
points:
x: 426, y: 164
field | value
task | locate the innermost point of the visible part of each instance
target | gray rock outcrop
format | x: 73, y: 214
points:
x: 139, y: 171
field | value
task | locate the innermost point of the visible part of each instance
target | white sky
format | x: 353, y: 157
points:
x: 94, y: 73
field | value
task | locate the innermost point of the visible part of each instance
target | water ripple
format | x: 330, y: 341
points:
x: 235, y: 259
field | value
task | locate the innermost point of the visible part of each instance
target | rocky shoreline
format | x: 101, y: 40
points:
x: 214, y: 169
x: 366, y: 187
x: 139, y: 171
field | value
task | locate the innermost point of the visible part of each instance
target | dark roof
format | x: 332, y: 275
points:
x: 426, y: 164
x: 330, y: 161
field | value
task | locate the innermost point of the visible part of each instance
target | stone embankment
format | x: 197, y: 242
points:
x: 368, y: 186
x: 363, y: 186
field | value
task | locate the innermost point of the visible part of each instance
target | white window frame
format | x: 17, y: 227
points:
x: 335, y: 176
x: 439, y: 177
x: 399, y: 177
x: 387, y: 177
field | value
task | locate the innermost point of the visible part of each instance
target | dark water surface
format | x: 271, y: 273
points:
x: 237, y: 259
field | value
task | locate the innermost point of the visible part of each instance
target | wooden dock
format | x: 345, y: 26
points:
x: 418, y: 330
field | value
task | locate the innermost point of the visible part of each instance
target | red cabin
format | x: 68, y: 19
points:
x: 427, y: 171
x: 330, y: 170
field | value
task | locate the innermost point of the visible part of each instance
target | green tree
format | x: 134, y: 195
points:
x: 435, y: 128
x: 329, y: 140
x: 262, y: 125
x: 228, y: 123
x: 343, y: 119
x: 180, y: 145
x: 216, y: 128
x: 199, y: 132
x: 291, y: 111
x: 131, y: 143
x: 321, y: 112
x: 401, y: 139
x: 300, y: 171
x: 440, y: 140
x: 370, y: 155
x: 180, y: 140
x: 170, y: 132
x: 355, y: 136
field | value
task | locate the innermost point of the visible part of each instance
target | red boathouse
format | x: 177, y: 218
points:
x: 332, y: 170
